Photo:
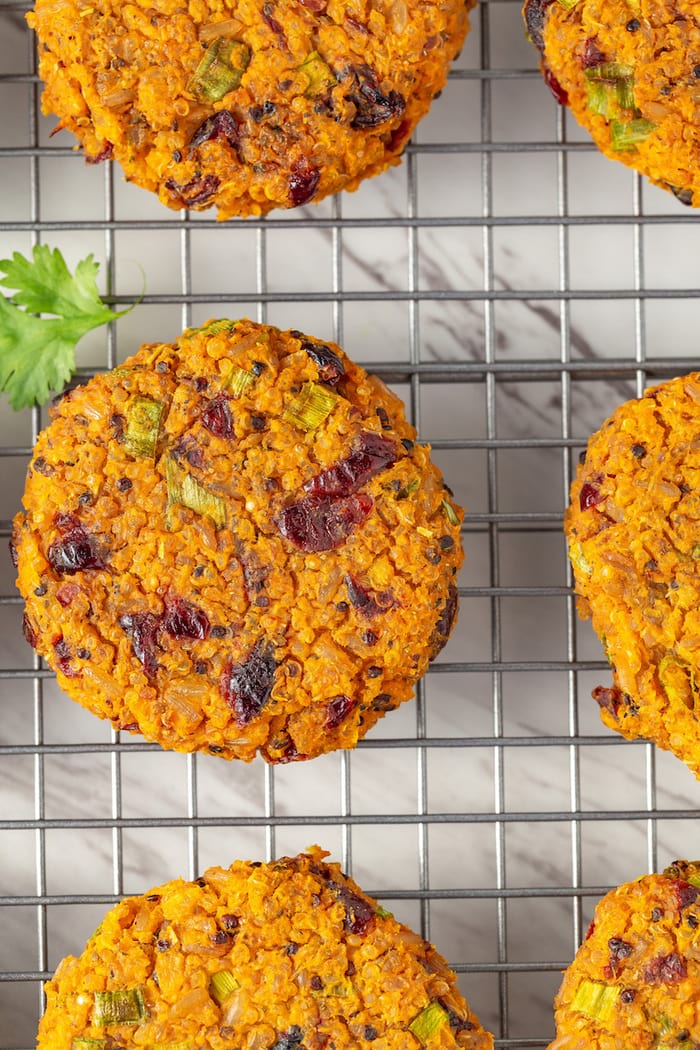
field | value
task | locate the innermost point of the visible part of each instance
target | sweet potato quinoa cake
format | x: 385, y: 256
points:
x: 633, y: 529
x: 290, y: 955
x: 630, y: 72
x: 635, y: 981
x: 246, y: 106
x: 233, y: 543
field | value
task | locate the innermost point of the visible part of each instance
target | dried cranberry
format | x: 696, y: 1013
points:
x: 66, y: 594
x: 665, y: 969
x: 372, y: 454
x: 686, y: 894
x: 28, y: 631
x: 399, y: 137
x: 535, y: 13
x: 330, y: 367
x: 371, y: 106
x: 184, y: 620
x: 246, y: 686
x: 273, y: 24
x: 359, y: 913
x: 318, y: 524
x: 619, y: 950
x: 560, y: 93
x: 13, y: 553
x: 589, y: 931
x: 220, y: 937
x: 230, y: 922
x: 217, y: 417
x: 75, y: 550
x: 365, y: 603
x: 143, y: 628
x: 369, y: 1033
x: 198, y: 191
x: 337, y: 710
x: 221, y: 125
x: 60, y: 648
x: 592, y: 55
x: 303, y: 183
x: 104, y: 154
x: 608, y: 699
x: 590, y: 495
x: 443, y: 627
x: 457, y: 1023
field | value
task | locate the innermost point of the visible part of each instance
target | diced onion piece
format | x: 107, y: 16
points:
x: 142, y: 426
x: 222, y: 985
x: 238, y: 381
x: 318, y: 74
x: 220, y: 70
x: 428, y: 1022
x: 626, y: 135
x: 450, y: 513
x: 595, y: 1000
x: 311, y: 407
x: 122, y: 1006
x: 187, y: 491
x: 229, y: 27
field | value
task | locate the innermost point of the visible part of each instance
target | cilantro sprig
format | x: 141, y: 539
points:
x: 37, y: 353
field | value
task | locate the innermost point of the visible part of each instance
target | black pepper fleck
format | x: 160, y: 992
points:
x: 40, y: 591
x: 198, y: 571
x: 627, y: 995
x: 638, y: 451
x: 218, y: 632
x: 124, y: 484
x: 369, y: 638
x: 374, y: 671
x: 83, y: 654
x: 316, y: 983
x: 633, y: 25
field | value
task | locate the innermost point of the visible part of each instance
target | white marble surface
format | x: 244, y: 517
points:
x: 460, y: 853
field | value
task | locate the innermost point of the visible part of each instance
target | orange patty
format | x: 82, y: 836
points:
x: 233, y: 543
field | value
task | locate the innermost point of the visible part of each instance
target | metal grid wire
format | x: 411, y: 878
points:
x: 495, y: 810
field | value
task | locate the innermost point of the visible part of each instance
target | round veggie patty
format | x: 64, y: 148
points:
x: 233, y: 542
x: 634, y: 984
x: 246, y: 106
x: 630, y: 73
x: 633, y: 529
x: 289, y: 955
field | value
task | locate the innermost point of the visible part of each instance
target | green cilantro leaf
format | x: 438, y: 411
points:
x: 37, y: 354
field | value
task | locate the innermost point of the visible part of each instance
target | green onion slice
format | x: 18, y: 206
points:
x: 142, y: 425
x: 579, y: 559
x: 450, y: 513
x: 409, y: 489
x: 123, y: 1006
x: 318, y: 73
x: 595, y: 999
x: 187, y: 491
x: 220, y: 70
x: 428, y: 1022
x: 211, y: 328
x: 238, y: 380
x: 222, y: 985
x: 609, y: 71
x: 311, y: 407
x: 626, y: 135
x: 678, y: 681
x: 383, y: 913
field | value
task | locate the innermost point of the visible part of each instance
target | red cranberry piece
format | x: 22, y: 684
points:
x: 619, y: 950
x: 60, y: 648
x: 66, y: 594
x: 665, y: 969
x: 337, y: 710
x: 217, y: 417
x: 592, y: 55
x: 399, y: 137
x: 184, y: 620
x: 104, y: 154
x: 318, y: 524
x: 590, y: 495
x: 372, y: 107
x: 221, y: 125
x: 366, y: 603
x: 560, y: 93
x: 444, y: 625
x: 372, y: 454
x: 359, y: 913
x: 535, y: 17
x: 330, y: 367
x: 13, y: 553
x: 143, y: 631
x: 686, y: 894
x: 198, y: 191
x: 608, y: 699
x: 273, y: 24
x: 303, y: 183
x: 589, y: 931
x: 246, y: 686
x: 75, y: 549
x: 627, y: 995
x: 28, y: 631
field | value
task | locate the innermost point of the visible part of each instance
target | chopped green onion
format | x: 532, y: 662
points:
x: 579, y: 559
x: 142, y: 426
x: 222, y: 985
x: 311, y: 407
x: 665, y: 1024
x: 187, y: 491
x: 428, y: 1022
x: 238, y: 380
x: 695, y: 553
x: 409, y: 489
x: 595, y: 1000
x: 383, y: 913
x: 694, y: 880
x: 318, y: 73
x: 624, y: 92
x: 678, y: 681
x: 220, y: 70
x: 123, y: 1006
x: 568, y: 4
x: 450, y: 513
x: 609, y: 71
x: 211, y: 328
x: 599, y: 97
x: 626, y: 136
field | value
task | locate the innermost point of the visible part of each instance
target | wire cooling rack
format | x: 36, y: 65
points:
x: 513, y: 286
